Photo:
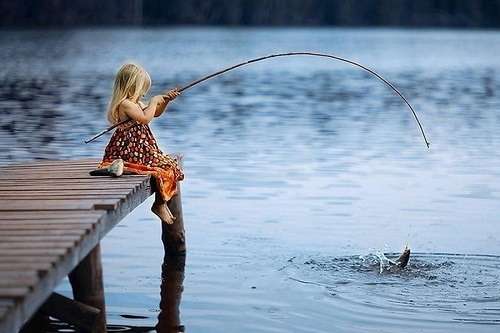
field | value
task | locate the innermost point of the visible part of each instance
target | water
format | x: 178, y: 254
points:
x: 298, y: 171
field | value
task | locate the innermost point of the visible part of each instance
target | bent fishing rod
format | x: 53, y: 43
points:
x: 314, y: 54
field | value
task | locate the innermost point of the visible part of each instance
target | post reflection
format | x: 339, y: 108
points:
x: 171, y: 291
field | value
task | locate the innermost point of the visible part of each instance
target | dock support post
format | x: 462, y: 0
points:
x: 174, y: 235
x: 87, y: 283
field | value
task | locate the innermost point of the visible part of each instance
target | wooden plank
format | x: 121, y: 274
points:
x: 52, y: 169
x: 53, y: 215
x: 54, y: 175
x: 74, y: 196
x: 38, y: 178
x: 72, y: 180
x: 40, y: 238
x: 18, y: 278
x: 55, y: 221
x: 65, y: 185
x: 15, y: 266
x: 35, y: 246
x: 36, y: 204
x: 109, y: 205
x: 45, y: 228
x: 17, y: 274
x: 56, y: 189
x: 20, y: 282
x: 12, y: 292
x: 76, y: 187
x: 70, y: 191
x: 65, y: 194
x: 40, y: 252
x: 46, y: 176
x: 28, y: 259
x: 77, y: 168
x: 49, y: 232
x: 57, y: 176
x: 55, y: 163
x: 64, y: 173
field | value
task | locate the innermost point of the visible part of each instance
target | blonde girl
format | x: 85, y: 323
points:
x: 133, y: 141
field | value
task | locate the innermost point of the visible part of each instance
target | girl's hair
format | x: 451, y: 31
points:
x: 132, y: 82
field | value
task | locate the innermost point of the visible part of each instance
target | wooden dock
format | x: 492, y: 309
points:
x: 52, y: 218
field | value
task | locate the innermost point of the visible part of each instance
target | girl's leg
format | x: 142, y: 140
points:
x: 161, y: 210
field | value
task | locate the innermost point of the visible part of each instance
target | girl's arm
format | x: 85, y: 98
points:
x: 134, y: 111
x: 168, y: 97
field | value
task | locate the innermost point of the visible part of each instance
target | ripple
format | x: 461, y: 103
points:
x: 441, y: 289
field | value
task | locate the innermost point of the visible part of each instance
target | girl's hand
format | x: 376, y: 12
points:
x: 158, y: 99
x: 165, y: 99
x: 171, y: 95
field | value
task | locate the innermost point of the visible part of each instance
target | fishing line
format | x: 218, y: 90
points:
x: 314, y: 54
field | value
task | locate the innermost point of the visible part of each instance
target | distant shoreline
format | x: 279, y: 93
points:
x: 477, y: 14
x: 225, y: 27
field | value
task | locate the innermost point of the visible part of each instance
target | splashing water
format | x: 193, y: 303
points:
x: 379, y: 259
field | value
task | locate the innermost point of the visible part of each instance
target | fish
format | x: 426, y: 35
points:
x: 115, y: 169
x: 402, y: 260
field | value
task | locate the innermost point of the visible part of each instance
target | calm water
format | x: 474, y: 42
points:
x: 298, y: 170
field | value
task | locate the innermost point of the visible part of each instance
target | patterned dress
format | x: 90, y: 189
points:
x: 135, y: 144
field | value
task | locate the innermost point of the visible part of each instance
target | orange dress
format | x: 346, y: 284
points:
x: 136, y: 145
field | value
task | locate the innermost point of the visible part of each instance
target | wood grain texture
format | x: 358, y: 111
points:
x: 52, y: 214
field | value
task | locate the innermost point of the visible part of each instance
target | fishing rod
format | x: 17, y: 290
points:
x: 324, y: 55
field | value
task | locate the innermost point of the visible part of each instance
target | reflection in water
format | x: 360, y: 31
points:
x: 171, y: 290
x: 29, y: 109
x: 172, y: 278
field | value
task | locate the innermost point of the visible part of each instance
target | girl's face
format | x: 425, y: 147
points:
x: 145, y: 88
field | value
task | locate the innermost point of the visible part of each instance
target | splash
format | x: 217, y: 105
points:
x: 378, y: 259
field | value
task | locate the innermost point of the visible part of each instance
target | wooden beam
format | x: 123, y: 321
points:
x: 66, y: 204
x: 88, y: 288
x: 80, y: 315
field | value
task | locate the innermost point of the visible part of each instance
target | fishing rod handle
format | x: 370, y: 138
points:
x: 110, y: 128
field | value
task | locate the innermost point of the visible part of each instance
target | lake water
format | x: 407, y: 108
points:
x: 298, y: 171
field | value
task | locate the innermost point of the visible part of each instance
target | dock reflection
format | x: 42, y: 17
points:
x: 171, y: 288
x: 172, y: 277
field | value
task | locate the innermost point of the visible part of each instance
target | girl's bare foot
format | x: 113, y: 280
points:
x: 162, y: 211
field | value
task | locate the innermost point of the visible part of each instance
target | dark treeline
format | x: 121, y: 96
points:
x: 411, y: 13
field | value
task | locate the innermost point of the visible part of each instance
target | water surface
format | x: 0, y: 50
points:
x: 297, y: 171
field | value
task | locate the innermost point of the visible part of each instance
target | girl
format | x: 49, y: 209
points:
x: 133, y: 141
